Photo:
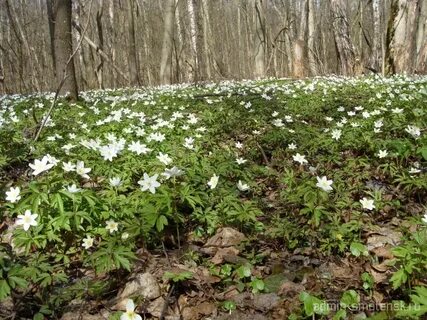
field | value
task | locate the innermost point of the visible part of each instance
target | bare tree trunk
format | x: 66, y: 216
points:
x: 50, y: 18
x: 421, y: 41
x: 19, y: 31
x: 132, y: 54
x: 200, y: 56
x: 166, y: 58
x: 260, y: 39
x: 311, y: 37
x: 64, y: 49
x: 193, y: 36
x: 401, y: 36
x: 347, y: 56
x: 99, y: 68
x: 205, y: 18
x: 299, y: 69
x: 376, y: 48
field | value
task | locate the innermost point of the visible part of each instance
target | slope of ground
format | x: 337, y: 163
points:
x: 266, y: 199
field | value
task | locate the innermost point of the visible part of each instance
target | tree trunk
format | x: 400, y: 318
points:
x: 100, y: 66
x: 166, y: 58
x: 299, y: 68
x: 19, y: 31
x: 260, y: 39
x: 132, y: 54
x: 421, y: 41
x: 401, y: 36
x: 311, y: 37
x: 200, y: 56
x: 64, y: 49
x: 348, y: 64
x: 376, y: 48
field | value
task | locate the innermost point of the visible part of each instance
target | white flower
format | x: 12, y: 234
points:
x: 424, y: 219
x: 112, y: 226
x: 130, y: 312
x: 299, y: 158
x: 41, y: 165
x: 242, y: 186
x: 278, y: 123
x: 81, y: 170
x: 87, y: 242
x: 125, y: 235
x: 115, y: 182
x: 397, y: 110
x: 414, y: 170
x: 68, y: 166
x: 149, y: 183
x: 156, y: 136
x: 240, y: 160
x: 213, y: 181
x: 292, y: 146
x: 189, y: 143
x: 27, y: 219
x: 138, y: 148
x: 173, y: 172
x: 52, y: 160
x: 336, y: 134
x: 13, y: 194
x: 108, y: 152
x: 239, y: 145
x: 367, y: 203
x: 413, y: 131
x: 324, y: 184
x: 164, y: 158
x: 73, y: 189
x: 382, y: 154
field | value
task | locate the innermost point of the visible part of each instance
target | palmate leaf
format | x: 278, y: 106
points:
x: 418, y: 307
x: 4, y: 289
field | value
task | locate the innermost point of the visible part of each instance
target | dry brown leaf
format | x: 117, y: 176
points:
x: 383, y: 252
x: 222, y: 252
x: 290, y: 289
x: 225, y: 237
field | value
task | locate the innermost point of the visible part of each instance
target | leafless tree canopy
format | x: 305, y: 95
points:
x: 151, y: 42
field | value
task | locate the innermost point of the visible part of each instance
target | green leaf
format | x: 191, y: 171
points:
x: 358, y: 249
x: 244, y: 271
x: 178, y: 277
x: 17, y: 281
x: 399, y: 278
x: 59, y: 203
x: 257, y: 285
x: 349, y: 299
x: 161, y: 222
x: 38, y: 316
x: 313, y: 305
x: 4, y: 289
x: 341, y: 314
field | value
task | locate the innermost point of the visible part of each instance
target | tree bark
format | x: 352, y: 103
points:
x: 166, y: 58
x: 132, y: 53
x: 347, y: 56
x: 311, y: 37
x: 63, y: 44
x: 401, y: 40
x: 260, y: 39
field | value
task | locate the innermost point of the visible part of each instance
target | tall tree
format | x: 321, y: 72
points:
x: 132, y: 53
x: 402, y: 36
x: 166, y: 58
x: 260, y: 41
x: 346, y: 52
x: 63, y: 48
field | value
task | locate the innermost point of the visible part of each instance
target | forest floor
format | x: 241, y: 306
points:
x: 271, y: 199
